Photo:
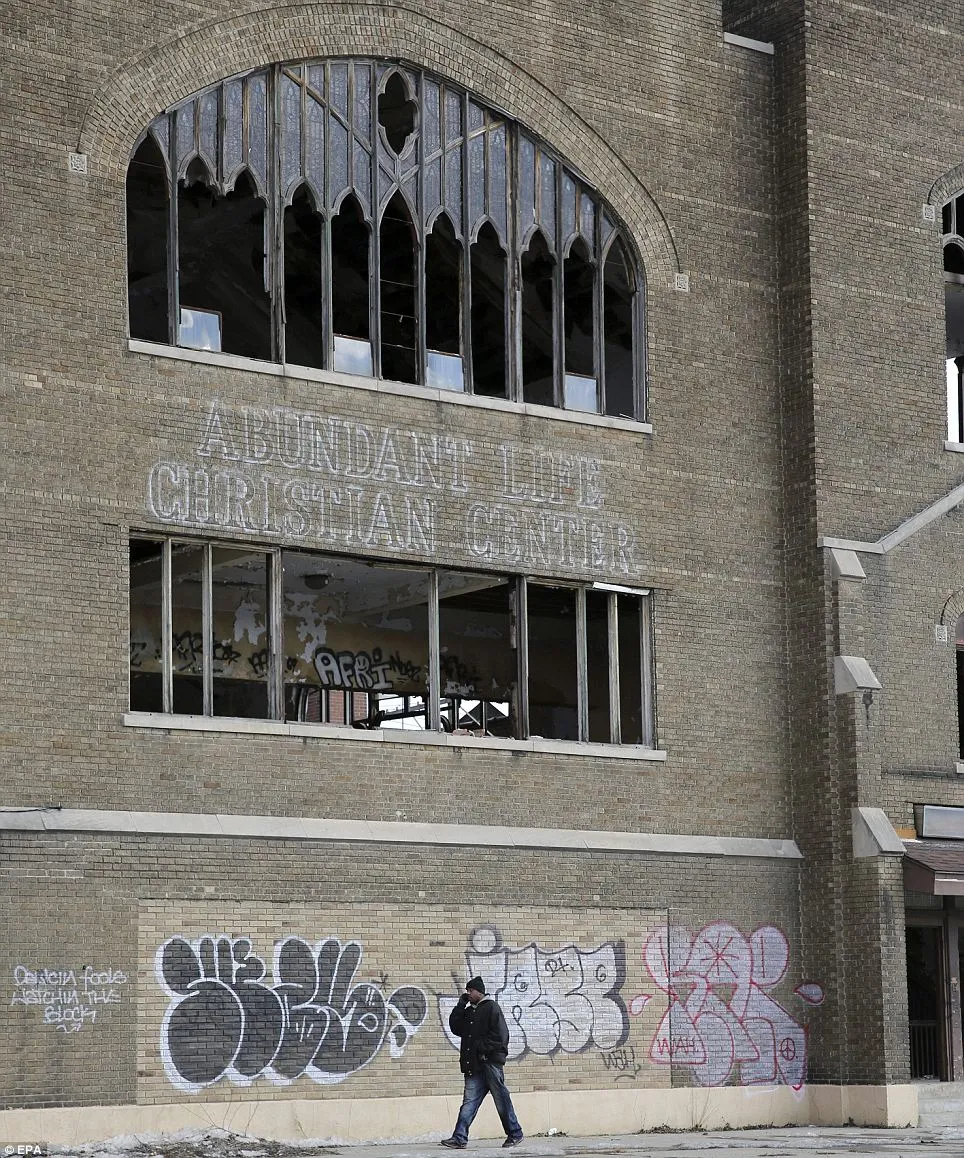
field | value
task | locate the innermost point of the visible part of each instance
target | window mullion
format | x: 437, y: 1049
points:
x: 646, y: 659
x: 167, y: 631
x: 582, y: 665
x: 421, y: 235
x: 465, y: 314
x: 512, y: 321
x: 612, y: 624
x: 375, y: 264
x: 434, y: 719
x: 276, y: 636
x: 274, y: 221
x: 173, y: 247
x: 558, y: 319
x: 522, y: 657
x: 207, y: 634
x: 599, y: 289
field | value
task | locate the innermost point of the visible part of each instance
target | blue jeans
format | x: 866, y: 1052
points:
x: 488, y: 1081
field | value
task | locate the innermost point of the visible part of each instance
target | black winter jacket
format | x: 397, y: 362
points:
x: 484, y: 1033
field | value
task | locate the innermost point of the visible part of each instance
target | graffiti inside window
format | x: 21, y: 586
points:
x: 366, y: 217
x: 308, y: 638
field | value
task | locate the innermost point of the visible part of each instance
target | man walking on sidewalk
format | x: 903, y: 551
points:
x: 480, y: 1023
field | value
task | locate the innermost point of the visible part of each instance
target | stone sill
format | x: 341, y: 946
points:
x: 381, y: 386
x: 157, y: 721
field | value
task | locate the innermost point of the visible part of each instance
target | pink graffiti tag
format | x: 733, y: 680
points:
x: 720, y: 1014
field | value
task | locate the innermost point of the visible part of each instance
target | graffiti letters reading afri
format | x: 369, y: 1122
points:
x: 554, y: 999
x: 720, y: 1013
x: 225, y: 1020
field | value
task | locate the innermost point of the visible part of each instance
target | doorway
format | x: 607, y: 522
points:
x: 935, y: 951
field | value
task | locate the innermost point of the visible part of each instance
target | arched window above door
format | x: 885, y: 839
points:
x: 371, y: 218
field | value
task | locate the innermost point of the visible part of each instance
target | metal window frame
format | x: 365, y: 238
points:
x: 276, y: 205
x: 519, y: 636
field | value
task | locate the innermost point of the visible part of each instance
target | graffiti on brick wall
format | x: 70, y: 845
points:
x: 225, y: 1019
x: 564, y: 999
x: 69, y: 998
x: 721, y: 1015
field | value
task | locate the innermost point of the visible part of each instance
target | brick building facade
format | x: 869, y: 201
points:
x: 610, y: 653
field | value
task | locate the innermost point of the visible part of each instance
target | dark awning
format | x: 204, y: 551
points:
x: 935, y: 866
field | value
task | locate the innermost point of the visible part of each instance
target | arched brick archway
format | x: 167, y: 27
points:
x: 174, y: 69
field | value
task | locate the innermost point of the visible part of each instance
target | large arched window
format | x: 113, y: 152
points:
x: 953, y: 242
x: 362, y: 216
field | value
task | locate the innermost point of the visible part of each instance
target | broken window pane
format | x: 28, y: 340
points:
x: 304, y: 334
x: 399, y: 354
x: 443, y: 307
x: 146, y: 666
x: 396, y: 113
x: 629, y: 612
x: 187, y: 633
x: 553, y: 668
x: 350, y: 298
x: 960, y: 684
x: 597, y: 666
x: 356, y: 642
x: 147, y: 226
x: 477, y: 656
x: 618, y: 297
x: 488, y: 315
x: 240, y: 636
x: 954, y: 330
x: 538, y: 273
x: 581, y: 392
x: 221, y: 245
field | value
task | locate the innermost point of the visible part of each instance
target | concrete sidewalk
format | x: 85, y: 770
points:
x: 800, y: 1142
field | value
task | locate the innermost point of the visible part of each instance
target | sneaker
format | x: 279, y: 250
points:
x: 453, y: 1143
x: 512, y: 1142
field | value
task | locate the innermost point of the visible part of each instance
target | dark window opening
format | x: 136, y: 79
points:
x: 477, y: 656
x: 224, y: 301
x: 240, y: 639
x: 146, y: 635
x: 443, y: 307
x: 954, y: 334
x: 147, y: 232
x: 396, y: 113
x: 598, y: 664
x: 488, y: 315
x: 538, y: 329
x: 304, y: 333
x: 187, y: 629
x: 618, y: 300
x: 553, y: 667
x: 350, y: 293
x: 399, y: 331
x: 578, y: 279
x: 631, y: 657
x: 960, y: 685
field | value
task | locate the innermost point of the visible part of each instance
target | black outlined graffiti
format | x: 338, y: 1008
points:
x: 138, y: 650
x: 561, y: 999
x: 622, y: 1062
x: 259, y: 661
x: 226, y: 1021
x: 404, y: 668
x: 188, y: 648
x: 354, y: 670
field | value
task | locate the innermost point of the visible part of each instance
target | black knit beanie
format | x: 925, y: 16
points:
x: 477, y: 984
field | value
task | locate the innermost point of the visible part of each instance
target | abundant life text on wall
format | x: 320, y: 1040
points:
x: 334, y: 482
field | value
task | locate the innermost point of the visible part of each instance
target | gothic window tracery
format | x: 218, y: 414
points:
x: 366, y: 217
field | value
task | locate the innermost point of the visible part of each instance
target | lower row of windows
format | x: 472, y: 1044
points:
x: 270, y: 634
